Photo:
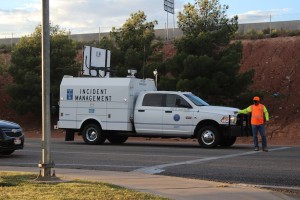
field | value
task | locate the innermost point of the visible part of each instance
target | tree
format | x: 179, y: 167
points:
x: 205, y: 16
x: 26, y: 68
x: 207, y: 62
x: 135, y: 43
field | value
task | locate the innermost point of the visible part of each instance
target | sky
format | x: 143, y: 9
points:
x: 20, y: 17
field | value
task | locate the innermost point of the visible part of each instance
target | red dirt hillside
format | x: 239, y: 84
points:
x: 277, y: 75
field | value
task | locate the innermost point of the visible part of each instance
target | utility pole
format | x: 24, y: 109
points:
x: 11, y: 41
x: 46, y: 164
x: 99, y: 35
x: 169, y: 8
x: 167, y: 26
x: 144, y: 61
x: 270, y: 26
x: 173, y: 26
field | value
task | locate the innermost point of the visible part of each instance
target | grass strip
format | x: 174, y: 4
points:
x: 22, y: 186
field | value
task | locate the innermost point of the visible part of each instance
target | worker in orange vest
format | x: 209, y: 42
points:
x: 259, y: 116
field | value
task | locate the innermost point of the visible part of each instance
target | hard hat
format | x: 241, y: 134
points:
x: 256, y: 98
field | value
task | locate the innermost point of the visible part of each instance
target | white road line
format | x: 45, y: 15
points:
x: 160, y: 168
x: 123, y: 154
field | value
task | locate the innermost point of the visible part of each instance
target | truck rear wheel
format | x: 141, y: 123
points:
x: 208, y: 137
x: 92, y: 134
x: 117, y: 139
x: 227, y: 141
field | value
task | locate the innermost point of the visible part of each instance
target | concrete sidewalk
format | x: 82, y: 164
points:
x: 165, y: 186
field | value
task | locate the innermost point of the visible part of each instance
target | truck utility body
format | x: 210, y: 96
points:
x: 118, y: 108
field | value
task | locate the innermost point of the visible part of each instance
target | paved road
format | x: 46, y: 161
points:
x: 238, y: 164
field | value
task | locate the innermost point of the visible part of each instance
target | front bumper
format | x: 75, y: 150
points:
x: 242, y: 128
x: 11, y: 140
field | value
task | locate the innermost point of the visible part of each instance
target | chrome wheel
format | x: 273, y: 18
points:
x: 208, y: 136
x: 92, y: 134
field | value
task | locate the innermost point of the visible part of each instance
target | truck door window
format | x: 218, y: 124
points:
x: 173, y: 100
x: 153, y: 100
x: 196, y: 100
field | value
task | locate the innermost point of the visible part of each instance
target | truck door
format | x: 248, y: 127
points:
x: 177, y: 116
x: 148, y: 116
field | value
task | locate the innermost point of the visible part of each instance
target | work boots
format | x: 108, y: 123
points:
x: 265, y: 149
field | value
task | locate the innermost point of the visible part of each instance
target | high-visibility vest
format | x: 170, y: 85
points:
x: 257, y: 117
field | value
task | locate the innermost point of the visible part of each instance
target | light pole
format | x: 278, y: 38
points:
x: 155, y: 74
x: 46, y: 163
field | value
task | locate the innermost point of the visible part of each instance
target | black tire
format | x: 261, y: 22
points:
x: 92, y: 134
x: 208, y: 137
x: 117, y: 139
x: 7, y: 153
x: 227, y: 141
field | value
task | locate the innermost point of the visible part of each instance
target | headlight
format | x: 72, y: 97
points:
x: 225, y: 120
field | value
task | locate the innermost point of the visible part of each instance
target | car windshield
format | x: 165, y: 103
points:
x: 196, y: 100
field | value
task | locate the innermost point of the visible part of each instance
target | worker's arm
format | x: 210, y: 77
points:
x: 266, y: 113
x: 246, y: 110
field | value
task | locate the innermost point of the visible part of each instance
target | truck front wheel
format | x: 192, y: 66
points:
x: 92, y: 134
x: 208, y: 137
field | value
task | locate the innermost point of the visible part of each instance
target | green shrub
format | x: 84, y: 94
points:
x: 293, y: 33
x: 266, y: 31
x: 274, y: 33
x: 253, y: 34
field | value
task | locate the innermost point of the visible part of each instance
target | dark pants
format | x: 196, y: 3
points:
x: 261, y: 130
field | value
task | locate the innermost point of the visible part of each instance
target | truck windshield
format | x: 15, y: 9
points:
x: 196, y: 100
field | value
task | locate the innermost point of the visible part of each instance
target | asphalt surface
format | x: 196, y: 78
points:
x: 238, y: 166
x: 279, y: 167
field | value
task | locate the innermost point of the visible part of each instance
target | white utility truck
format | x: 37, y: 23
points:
x: 118, y: 108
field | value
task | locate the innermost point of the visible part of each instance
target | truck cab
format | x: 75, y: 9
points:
x: 184, y: 115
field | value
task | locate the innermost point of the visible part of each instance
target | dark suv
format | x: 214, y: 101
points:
x: 11, y: 137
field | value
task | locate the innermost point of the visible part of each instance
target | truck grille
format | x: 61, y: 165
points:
x: 243, y: 121
x: 12, y: 132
